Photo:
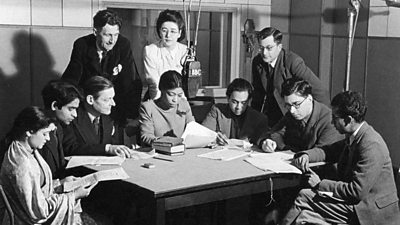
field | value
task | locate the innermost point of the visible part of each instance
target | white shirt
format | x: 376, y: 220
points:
x: 157, y: 60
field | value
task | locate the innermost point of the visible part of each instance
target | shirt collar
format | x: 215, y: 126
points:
x: 273, y: 63
x: 353, y: 135
x: 91, y: 117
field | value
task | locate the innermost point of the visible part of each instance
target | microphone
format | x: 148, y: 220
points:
x: 393, y: 3
x: 355, y: 4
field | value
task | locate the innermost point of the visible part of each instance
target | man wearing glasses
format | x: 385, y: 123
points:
x: 307, y: 124
x: 271, y: 67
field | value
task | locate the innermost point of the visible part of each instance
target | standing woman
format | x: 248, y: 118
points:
x: 167, y: 115
x: 26, y: 178
x: 167, y: 53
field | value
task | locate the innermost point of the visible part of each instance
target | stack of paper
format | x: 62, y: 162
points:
x: 197, y: 135
x: 75, y: 161
x: 278, y: 162
x: 224, y: 154
x: 143, y: 153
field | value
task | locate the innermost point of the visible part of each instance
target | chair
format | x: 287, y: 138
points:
x: 7, y: 206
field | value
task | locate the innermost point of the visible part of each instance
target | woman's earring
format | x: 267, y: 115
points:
x: 28, y: 134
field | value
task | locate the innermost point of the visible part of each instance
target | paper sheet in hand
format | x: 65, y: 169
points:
x: 197, y: 135
x: 224, y: 154
x: 278, y: 162
x: 103, y: 175
x: 75, y: 161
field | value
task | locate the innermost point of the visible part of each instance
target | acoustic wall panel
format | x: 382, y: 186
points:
x: 47, y: 13
x: 15, y: 78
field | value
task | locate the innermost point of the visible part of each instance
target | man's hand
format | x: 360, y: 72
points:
x: 313, y: 178
x: 302, y: 162
x: 120, y: 150
x: 268, y: 145
x: 222, y: 139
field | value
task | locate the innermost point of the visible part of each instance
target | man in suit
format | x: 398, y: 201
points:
x: 271, y: 67
x: 61, y: 99
x: 108, y: 54
x: 306, y: 125
x: 364, y: 191
x: 91, y: 133
x: 236, y: 119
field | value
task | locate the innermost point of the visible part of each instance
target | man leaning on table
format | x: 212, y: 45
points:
x: 92, y: 132
x: 364, y: 191
x: 236, y: 119
x: 307, y: 124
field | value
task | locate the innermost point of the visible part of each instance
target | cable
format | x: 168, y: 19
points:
x: 271, y: 197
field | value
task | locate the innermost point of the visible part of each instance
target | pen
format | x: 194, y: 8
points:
x: 169, y: 160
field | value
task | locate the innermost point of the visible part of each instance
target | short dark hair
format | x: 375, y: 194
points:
x: 170, y: 80
x: 350, y: 103
x: 268, y: 31
x: 95, y: 84
x: 240, y: 84
x: 106, y: 16
x: 61, y: 92
x: 30, y: 119
x: 171, y: 16
x: 296, y: 85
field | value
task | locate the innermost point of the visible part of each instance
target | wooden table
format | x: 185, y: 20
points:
x: 190, y: 180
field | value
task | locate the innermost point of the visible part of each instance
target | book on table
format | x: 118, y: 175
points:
x: 169, y: 145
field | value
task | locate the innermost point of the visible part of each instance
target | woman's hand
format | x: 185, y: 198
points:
x: 83, y: 192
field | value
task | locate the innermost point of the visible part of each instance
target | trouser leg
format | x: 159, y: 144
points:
x: 312, y: 208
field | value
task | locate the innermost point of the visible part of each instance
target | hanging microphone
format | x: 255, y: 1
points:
x: 393, y: 3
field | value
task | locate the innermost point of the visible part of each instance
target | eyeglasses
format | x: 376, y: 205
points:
x: 269, y: 48
x: 296, y: 105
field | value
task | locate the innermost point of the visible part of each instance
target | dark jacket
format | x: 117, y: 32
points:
x: 80, y: 137
x: 319, y: 131
x: 84, y: 63
x: 288, y: 65
x: 53, y: 153
x: 220, y: 119
x: 366, y: 181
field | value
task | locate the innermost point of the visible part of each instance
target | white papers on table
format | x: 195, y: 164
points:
x: 75, y: 161
x: 245, y: 144
x: 278, y: 162
x: 197, y: 135
x: 224, y: 154
x: 103, y: 175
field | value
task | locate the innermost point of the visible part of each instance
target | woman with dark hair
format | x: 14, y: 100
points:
x: 167, y: 115
x: 26, y: 178
x: 167, y: 53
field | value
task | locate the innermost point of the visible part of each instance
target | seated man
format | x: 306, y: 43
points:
x: 61, y: 99
x: 364, y: 191
x: 91, y: 133
x: 236, y: 119
x: 307, y: 124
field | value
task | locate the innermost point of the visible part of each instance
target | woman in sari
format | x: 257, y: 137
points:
x: 26, y: 178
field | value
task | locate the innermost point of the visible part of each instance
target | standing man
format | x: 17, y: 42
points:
x: 236, y: 119
x: 61, y: 99
x: 364, y: 191
x: 306, y: 125
x: 271, y: 67
x: 92, y: 132
x: 108, y: 54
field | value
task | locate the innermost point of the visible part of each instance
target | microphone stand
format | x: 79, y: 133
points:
x: 353, y: 12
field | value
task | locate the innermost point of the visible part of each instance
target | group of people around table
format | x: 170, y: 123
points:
x: 286, y: 107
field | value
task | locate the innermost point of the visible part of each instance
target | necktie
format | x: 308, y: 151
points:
x: 96, y: 123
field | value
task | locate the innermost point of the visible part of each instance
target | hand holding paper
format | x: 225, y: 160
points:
x: 103, y: 175
x: 198, y: 136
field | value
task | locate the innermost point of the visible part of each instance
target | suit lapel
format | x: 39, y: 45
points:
x: 85, y: 127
